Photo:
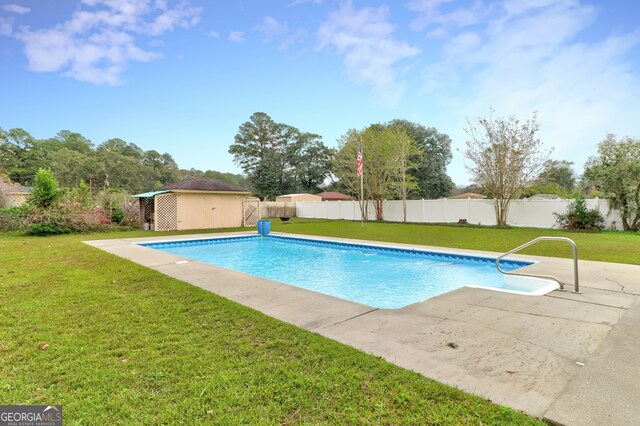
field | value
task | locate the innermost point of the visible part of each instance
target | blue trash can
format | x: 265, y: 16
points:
x: 264, y: 227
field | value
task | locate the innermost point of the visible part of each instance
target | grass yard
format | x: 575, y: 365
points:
x: 617, y: 247
x: 127, y: 345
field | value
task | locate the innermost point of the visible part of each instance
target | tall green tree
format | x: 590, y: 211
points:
x: 20, y: 156
x: 161, y: 169
x: 429, y: 160
x: 67, y: 139
x: 258, y: 149
x: 121, y: 166
x: 559, y: 172
x: 310, y: 162
x: 71, y: 167
x: 507, y: 156
x: 616, y: 172
x: 278, y: 158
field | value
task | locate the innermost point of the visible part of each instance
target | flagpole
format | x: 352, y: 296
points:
x: 361, y: 188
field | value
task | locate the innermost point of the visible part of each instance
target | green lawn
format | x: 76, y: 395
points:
x: 127, y: 345
x: 617, y: 247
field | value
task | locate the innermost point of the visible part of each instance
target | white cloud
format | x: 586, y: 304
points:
x: 236, y: 36
x: 528, y: 55
x: 429, y: 14
x: 6, y: 26
x: 279, y: 33
x: 271, y: 29
x: 213, y: 34
x: 299, y: 2
x: 371, y: 54
x: 98, y: 41
x: 17, y: 9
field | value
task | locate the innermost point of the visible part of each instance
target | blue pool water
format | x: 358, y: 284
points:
x: 381, y: 277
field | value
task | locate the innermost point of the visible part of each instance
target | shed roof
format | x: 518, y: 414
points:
x: 149, y: 194
x: 204, y: 184
x: 334, y: 196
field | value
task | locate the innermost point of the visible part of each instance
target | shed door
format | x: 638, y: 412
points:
x: 228, y: 211
x: 195, y: 211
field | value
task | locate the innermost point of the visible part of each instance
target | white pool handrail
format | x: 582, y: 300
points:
x: 575, y: 261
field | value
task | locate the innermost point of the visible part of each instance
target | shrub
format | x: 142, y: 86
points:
x: 42, y: 229
x: 119, y: 207
x: 45, y: 190
x: 81, y: 195
x: 12, y: 218
x: 580, y: 218
x: 63, y: 218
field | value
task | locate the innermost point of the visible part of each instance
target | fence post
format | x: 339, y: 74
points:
x: 444, y: 210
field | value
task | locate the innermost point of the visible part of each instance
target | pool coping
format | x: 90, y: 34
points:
x: 519, y: 351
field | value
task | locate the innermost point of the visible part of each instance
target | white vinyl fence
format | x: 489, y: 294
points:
x: 529, y: 213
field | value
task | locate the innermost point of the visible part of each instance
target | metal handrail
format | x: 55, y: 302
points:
x: 575, y: 261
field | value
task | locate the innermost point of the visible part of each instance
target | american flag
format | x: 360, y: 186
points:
x: 360, y: 160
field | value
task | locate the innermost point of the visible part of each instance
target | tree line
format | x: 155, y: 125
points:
x: 403, y: 160
x: 73, y: 159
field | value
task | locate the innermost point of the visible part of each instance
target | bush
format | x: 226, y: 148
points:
x: 119, y: 207
x: 580, y: 218
x: 42, y: 229
x: 46, y: 192
x: 64, y: 218
x: 12, y: 218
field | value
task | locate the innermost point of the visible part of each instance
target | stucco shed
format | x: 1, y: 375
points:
x: 288, y: 198
x: 13, y: 194
x: 197, y: 203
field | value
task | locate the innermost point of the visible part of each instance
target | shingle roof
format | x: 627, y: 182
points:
x: 204, y: 184
x: 334, y: 196
x: 467, y: 195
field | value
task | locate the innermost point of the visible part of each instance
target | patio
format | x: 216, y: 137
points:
x: 569, y: 358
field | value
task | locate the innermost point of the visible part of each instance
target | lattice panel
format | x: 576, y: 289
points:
x: 251, y: 211
x: 166, y: 212
x: 148, y: 209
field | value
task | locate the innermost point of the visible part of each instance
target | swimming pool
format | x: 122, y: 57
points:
x: 378, y: 276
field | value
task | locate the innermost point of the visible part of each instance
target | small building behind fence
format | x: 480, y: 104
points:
x: 13, y: 194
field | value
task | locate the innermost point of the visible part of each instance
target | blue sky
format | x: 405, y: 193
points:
x: 181, y: 76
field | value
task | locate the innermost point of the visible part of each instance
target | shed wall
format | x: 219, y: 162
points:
x: 297, y: 197
x: 206, y: 211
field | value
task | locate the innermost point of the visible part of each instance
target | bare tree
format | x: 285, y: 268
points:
x: 506, y: 156
x: 386, y: 151
x: 405, y: 149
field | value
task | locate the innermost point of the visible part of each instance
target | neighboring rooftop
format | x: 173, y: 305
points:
x: 334, y: 196
x: 15, y: 187
x: 204, y: 184
x: 297, y: 197
x: 466, y: 195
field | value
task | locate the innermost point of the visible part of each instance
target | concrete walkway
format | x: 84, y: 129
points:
x: 569, y: 358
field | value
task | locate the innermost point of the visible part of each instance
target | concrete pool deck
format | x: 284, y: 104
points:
x: 568, y: 358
